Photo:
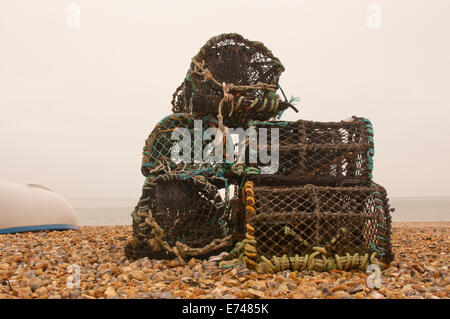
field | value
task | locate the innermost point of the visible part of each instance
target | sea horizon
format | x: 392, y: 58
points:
x: 116, y: 211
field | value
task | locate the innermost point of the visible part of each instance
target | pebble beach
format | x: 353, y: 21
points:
x: 89, y: 263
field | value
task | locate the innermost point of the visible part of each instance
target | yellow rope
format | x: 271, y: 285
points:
x: 250, y: 245
x: 323, y: 263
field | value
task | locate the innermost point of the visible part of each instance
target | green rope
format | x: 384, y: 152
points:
x: 249, y: 171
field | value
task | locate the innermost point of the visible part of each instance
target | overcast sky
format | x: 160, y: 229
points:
x: 76, y: 105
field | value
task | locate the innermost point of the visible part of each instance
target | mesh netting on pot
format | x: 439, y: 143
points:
x: 180, y: 215
x: 316, y: 227
x: 320, y: 153
x: 162, y: 144
x: 233, y: 78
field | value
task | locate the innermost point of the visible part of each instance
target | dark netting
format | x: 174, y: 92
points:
x: 316, y: 227
x: 321, y: 153
x: 178, y: 103
x: 180, y: 215
x: 234, y: 78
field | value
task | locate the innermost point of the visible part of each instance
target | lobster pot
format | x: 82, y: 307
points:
x: 320, y: 153
x: 239, y: 75
x: 177, y: 216
x: 295, y: 222
x: 157, y: 152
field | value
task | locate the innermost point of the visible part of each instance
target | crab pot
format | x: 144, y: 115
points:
x: 186, y: 214
x: 294, y: 219
x: 320, y: 153
x: 250, y: 73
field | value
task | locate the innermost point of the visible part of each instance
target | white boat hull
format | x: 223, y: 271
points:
x: 30, y: 207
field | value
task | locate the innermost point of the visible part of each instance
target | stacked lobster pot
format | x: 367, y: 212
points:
x: 316, y: 209
x: 180, y: 213
x: 234, y: 79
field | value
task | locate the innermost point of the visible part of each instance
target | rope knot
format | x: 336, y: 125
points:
x: 226, y: 87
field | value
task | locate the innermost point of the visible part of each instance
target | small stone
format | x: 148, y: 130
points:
x: 166, y: 295
x: 355, y: 290
x: 360, y: 295
x: 405, y: 288
x: 174, y: 263
x: 340, y: 294
x: 138, y: 274
x: 110, y: 292
x: 258, y: 285
x: 131, y: 293
x: 243, y: 271
x: 282, y: 289
x: 4, y: 266
x: 339, y: 287
x: 103, y: 267
x: 376, y: 295
x: 23, y: 293
x: 65, y: 294
x: 418, y: 268
x: 434, y: 297
x: 104, y: 271
x: 256, y: 293
x: 35, y: 284
x: 299, y: 295
x: 218, y: 257
x: 440, y: 294
x: 188, y: 272
x: 229, y: 296
x: 291, y: 285
x: 158, y: 277
x: 42, y: 265
x: 216, y: 292
x: 429, y: 268
x: 419, y: 288
x: 74, y: 294
x: 192, y: 262
x: 41, y: 291
x: 115, y: 271
x: 231, y: 282
x: 146, y: 263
